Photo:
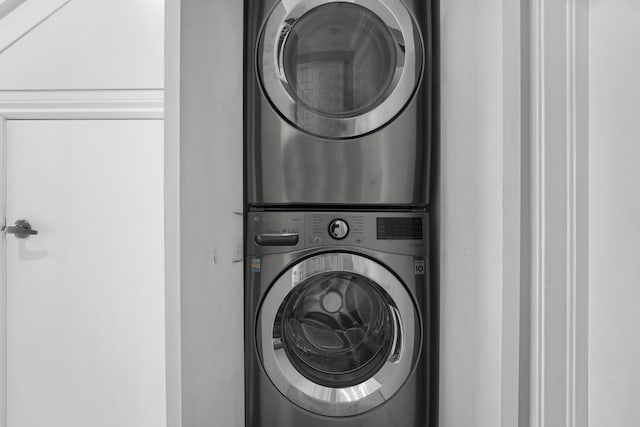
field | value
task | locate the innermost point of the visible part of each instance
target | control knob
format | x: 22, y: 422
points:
x: 338, y: 229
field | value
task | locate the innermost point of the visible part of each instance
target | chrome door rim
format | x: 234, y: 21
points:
x: 406, y: 79
x: 321, y: 399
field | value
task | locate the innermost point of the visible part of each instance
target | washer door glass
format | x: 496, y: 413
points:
x: 338, y: 334
x: 338, y: 69
x: 337, y: 328
x: 340, y: 60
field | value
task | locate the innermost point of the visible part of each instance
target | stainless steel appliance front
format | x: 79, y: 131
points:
x: 338, y: 102
x: 337, y: 319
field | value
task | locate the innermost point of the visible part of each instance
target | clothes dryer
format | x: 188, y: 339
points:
x: 338, y: 102
x: 338, y: 320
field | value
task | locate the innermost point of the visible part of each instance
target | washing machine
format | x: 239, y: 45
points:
x: 338, y: 319
x: 338, y: 102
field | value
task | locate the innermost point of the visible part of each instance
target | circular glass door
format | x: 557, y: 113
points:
x: 340, y: 69
x: 337, y: 328
x: 339, y: 60
x: 338, y: 334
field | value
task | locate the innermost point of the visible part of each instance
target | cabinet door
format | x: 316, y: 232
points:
x: 85, y: 296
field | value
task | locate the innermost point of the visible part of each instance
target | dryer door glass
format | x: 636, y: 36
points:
x: 337, y: 328
x: 338, y: 69
x: 340, y: 60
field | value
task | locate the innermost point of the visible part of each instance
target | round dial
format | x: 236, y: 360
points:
x: 338, y: 229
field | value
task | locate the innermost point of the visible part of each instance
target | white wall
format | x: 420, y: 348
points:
x: 614, y: 209
x: 90, y: 44
x: 471, y: 213
x: 17, y: 18
x: 207, y: 248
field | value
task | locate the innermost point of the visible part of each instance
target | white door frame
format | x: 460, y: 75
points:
x: 558, y: 191
x: 60, y: 105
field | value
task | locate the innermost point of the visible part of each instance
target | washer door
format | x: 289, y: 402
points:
x: 340, y: 69
x: 338, y: 334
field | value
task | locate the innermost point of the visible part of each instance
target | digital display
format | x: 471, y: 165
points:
x: 399, y: 228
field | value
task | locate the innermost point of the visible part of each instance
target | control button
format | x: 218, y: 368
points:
x: 338, y: 229
x: 317, y: 240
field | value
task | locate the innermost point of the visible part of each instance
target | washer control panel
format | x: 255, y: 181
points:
x: 338, y: 229
x: 398, y: 232
x: 395, y: 232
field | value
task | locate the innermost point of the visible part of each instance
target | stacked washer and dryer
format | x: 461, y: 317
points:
x: 339, y: 318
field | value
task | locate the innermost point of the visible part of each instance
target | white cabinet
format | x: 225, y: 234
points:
x: 85, y: 296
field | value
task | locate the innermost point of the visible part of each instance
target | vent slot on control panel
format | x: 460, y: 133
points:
x: 394, y: 228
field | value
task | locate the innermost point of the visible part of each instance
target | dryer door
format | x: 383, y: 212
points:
x: 340, y: 69
x: 338, y: 334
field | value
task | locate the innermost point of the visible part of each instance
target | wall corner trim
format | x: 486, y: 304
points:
x: 514, y: 107
x: 559, y: 212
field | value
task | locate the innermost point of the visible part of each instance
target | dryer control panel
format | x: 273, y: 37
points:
x: 396, y: 232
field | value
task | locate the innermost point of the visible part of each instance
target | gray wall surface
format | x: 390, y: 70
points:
x: 471, y: 229
x: 614, y: 209
x: 204, y: 255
